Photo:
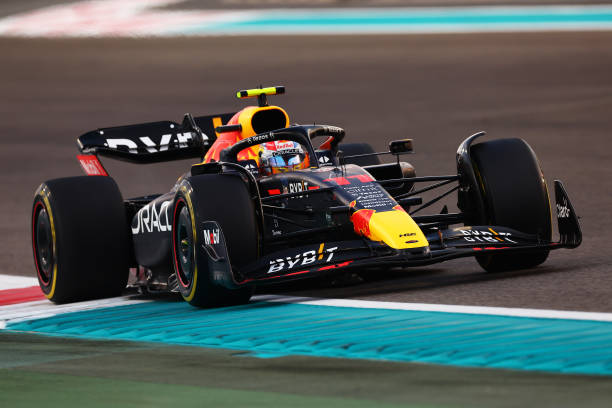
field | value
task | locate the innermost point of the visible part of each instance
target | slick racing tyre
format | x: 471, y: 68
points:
x: 225, y: 199
x: 515, y: 196
x: 350, y: 149
x: 80, y: 238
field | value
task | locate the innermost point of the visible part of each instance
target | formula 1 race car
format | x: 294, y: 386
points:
x: 263, y: 205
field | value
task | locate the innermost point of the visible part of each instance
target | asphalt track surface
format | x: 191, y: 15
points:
x: 552, y: 89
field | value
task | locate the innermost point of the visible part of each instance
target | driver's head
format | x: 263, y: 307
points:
x: 282, y: 156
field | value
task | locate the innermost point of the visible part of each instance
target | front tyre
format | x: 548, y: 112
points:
x: 225, y: 199
x: 515, y: 196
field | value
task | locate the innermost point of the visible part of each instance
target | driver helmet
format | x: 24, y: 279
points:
x: 281, y: 156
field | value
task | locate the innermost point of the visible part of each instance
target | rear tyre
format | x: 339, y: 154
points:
x: 225, y: 199
x: 515, y: 196
x: 80, y: 239
x: 350, y: 149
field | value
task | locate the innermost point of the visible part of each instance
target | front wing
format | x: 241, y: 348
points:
x: 444, y: 244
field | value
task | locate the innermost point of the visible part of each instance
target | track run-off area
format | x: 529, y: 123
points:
x: 88, y: 346
x: 103, y: 18
x: 448, y: 335
x: 273, y: 326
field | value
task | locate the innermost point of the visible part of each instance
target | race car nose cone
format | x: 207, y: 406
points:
x: 395, y: 228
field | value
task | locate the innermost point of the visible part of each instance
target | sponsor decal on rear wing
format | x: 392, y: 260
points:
x: 91, y: 165
x: 152, y: 142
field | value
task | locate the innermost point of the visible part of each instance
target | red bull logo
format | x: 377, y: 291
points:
x: 361, y: 222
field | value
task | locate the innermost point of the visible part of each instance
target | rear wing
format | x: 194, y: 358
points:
x: 152, y: 142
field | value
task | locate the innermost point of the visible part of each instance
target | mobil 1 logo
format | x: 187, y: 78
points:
x: 211, y: 234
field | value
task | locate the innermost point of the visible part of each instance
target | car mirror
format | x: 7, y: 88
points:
x: 400, y: 146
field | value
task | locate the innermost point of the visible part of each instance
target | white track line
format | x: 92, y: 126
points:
x: 16, y: 282
x: 44, y: 308
x: 426, y: 307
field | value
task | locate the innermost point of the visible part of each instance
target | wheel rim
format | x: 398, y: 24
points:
x: 43, y: 245
x: 184, y: 247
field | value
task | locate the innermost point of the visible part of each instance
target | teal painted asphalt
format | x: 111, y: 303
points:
x: 277, y: 329
x: 413, y: 19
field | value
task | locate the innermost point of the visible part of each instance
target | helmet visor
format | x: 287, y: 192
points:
x: 286, y: 160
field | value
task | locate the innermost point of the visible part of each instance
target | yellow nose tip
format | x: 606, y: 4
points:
x: 396, y: 229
